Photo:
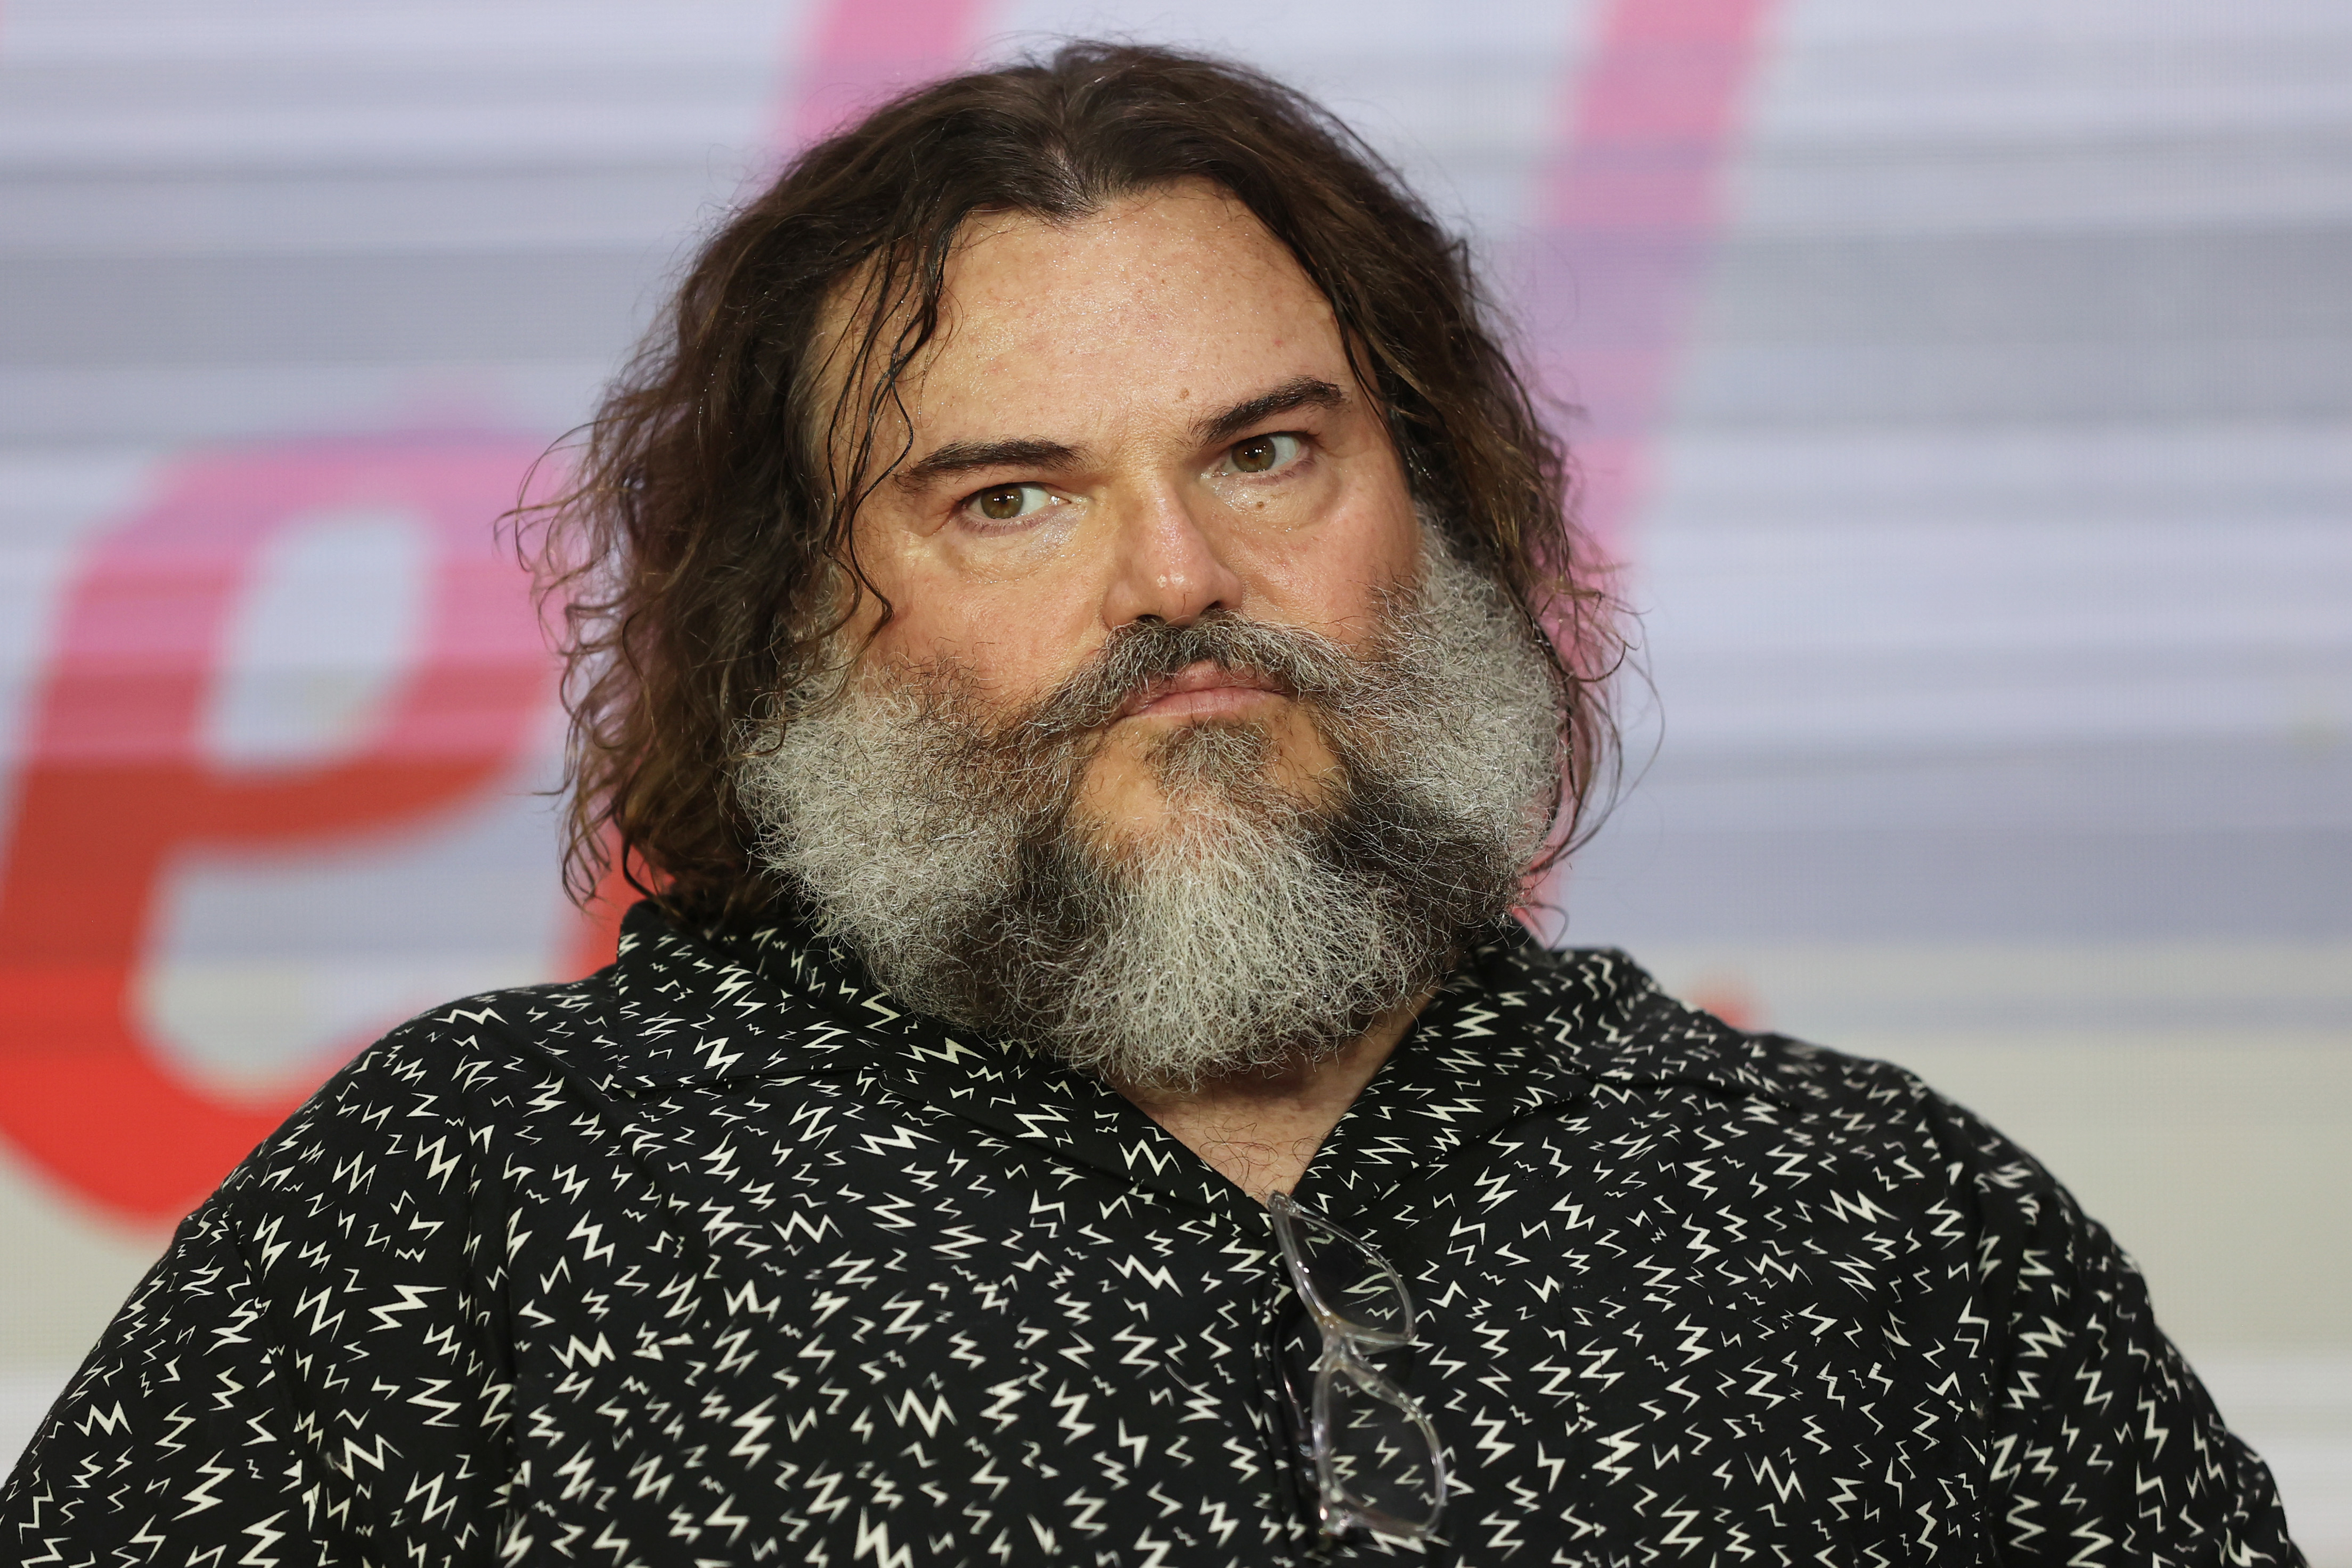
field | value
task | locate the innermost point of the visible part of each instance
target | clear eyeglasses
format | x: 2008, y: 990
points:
x: 1378, y: 1466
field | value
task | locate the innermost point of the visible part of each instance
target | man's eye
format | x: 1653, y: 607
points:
x: 1007, y: 502
x: 1263, y: 453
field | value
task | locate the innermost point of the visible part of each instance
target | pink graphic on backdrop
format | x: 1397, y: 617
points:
x: 117, y: 783
x: 114, y: 785
x: 863, y: 51
x: 1626, y: 216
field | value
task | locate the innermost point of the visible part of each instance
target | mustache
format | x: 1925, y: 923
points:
x: 1304, y: 664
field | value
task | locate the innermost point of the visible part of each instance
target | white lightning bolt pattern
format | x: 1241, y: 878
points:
x: 657, y: 1264
x: 1008, y: 1394
x: 205, y: 1494
x: 1071, y: 1404
x: 875, y: 1542
x: 1087, y: 1506
x: 411, y: 1298
x: 266, y: 1535
x: 1678, y: 1536
x: 1621, y: 1445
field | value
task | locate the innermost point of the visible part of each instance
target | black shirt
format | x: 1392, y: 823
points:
x: 722, y: 1257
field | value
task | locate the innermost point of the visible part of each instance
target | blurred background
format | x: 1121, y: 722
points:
x: 1967, y: 391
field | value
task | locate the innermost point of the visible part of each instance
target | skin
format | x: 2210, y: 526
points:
x: 1145, y: 413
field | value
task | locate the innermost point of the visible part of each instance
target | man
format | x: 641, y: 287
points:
x: 1075, y: 629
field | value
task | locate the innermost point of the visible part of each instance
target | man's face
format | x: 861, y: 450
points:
x: 1184, y: 751
x: 1145, y: 414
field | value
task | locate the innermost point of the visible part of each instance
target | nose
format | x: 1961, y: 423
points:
x: 1168, y: 568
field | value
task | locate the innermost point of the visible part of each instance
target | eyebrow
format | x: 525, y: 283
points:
x: 964, y: 456
x: 1299, y: 392
x: 967, y: 456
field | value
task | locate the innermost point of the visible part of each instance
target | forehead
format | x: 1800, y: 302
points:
x: 1137, y: 266
x: 1177, y: 296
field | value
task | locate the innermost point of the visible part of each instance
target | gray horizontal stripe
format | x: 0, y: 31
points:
x: 75, y: 406
x: 2278, y: 784
x: 656, y: 207
x: 243, y: 309
x: 1683, y: 884
x: 447, y: 105
x: 1995, y: 843
x: 2177, y: 285
x: 1728, y: 387
x: 2058, y: 185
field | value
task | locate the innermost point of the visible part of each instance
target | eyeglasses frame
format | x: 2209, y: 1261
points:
x: 1345, y: 1345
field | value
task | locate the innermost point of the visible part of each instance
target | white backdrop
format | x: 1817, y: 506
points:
x: 1967, y: 388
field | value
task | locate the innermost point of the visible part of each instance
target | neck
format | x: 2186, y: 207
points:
x: 1260, y: 1130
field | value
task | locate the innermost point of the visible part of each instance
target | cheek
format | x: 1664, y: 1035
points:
x: 1330, y: 578
x: 1018, y: 638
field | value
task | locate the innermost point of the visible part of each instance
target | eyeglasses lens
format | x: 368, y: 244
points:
x: 1379, y: 1457
x: 1354, y: 1285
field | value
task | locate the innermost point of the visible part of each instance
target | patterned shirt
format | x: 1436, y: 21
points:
x: 723, y: 1257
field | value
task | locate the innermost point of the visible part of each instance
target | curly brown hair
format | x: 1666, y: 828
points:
x: 702, y: 553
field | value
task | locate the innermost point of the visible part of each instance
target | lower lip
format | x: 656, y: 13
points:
x: 1209, y: 701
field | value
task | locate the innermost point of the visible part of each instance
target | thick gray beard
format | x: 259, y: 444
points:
x: 1260, y: 930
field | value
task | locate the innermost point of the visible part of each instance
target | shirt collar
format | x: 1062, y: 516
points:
x: 775, y: 1000
x: 1516, y: 1031
x: 1521, y: 1030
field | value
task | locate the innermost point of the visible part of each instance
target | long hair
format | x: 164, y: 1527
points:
x: 701, y: 552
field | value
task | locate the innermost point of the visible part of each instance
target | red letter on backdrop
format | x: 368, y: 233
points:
x: 115, y: 785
